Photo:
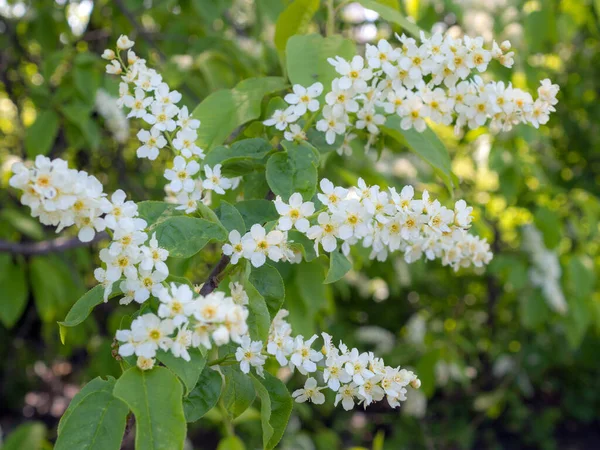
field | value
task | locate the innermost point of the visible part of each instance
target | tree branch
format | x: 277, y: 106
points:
x: 51, y: 246
x: 213, y: 280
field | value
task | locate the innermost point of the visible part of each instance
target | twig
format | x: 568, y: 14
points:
x: 213, y: 279
x: 51, y: 246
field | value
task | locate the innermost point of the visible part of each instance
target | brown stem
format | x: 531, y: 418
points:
x: 213, y: 279
x: 51, y: 246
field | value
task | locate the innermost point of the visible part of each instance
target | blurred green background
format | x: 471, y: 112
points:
x: 504, y: 364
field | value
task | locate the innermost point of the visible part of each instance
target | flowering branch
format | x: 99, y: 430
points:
x: 60, y: 244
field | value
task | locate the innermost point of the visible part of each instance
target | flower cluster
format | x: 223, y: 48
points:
x: 430, y: 79
x: 144, y: 93
x: 355, y: 377
x: 115, y: 120
x: 384, y: 221
x: 546, y: 271
x: 183, y: 322
x: 63, y: 197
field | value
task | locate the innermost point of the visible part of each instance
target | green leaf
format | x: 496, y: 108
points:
x: 294, y: 20
x: 14, y: 290
x: 95, y: 420
x: 426, y: 145
x: 225, y: 110
x: 338, y: 267
x: 258, y: 320
x: 548, y: 222
x: 268, y: 282
x: 152, y: 211
x: 86, y: 304
x: 307, y: 246
x: 275, y: 408
x: 231, y: 443
x: 52, y: 290
x: 392, y: 15
x: 294, y: 170
x: 96, y: 385
x: 40, y: 136
x: 238, y: 392
x: 257, y: 211
x: 242, y: 157
x: 306, y: 58
x: 29, y: 436
x: 185, y: 236
x: 230, y: 217
x: 204, y: 396
x: 155, y: 397
x: 188, y: 371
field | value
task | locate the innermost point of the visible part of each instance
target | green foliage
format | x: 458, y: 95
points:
x: 259, y: 319
x: 242, y: 157
x: 30, y: 436
x: 294, y: 20
x: 185, y: 236
x: 223, y: 111
x: 306, y: 57
x: 187, y: 371
x: 338, y: 267
x: 41, y: 135
x: 238, y: 392
x: 392, y: 15
x: 275, y: 408
x: 427, y: 145
x: 204, y: 396
x: 95, y: 419
x: 268, y: 282
x: 294, y: 170
x: 155, y: 397
x: 14, y: 290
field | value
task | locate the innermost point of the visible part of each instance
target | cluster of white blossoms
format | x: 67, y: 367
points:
x: 64, y: 197
x: 113, y: 116
x: 545, y: 272
x: 418, y: 81
x: 185, y: 321
x: 384, y: 221
x: 144, y: 93
x: 356, y: 377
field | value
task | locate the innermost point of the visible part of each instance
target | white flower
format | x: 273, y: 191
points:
x: 303, y: 357
x: 175, y: 303
x: 114, y: 68
x: 258, y: 245
x: 310, y: 392
x: 249, y: 354
x: 462, y: 214
x: 151, y: 333
x: 234, y: 248
x: 181, y: 174
x: 305, y: 98
x: 144, y: 363
x: 185, y: 142
x: 213, y: 181
x: 124, y: 43
x: 238, y: 293
x: 346, y: 394
x: 295, y: 213
x: 296, y: 133
x: 108, y: 55
x: 149, y: 283
x: 334, y: 372
x: 153, y: 141
x: 185, y: 121
x: 154, y: 257
x: 181, y: 343
x: 354, y: 74
x: 282, y: 118
x: 367, y: 118
x: 137, y: 104
x: 331, y: 124
x: 325, y: 233
x: 357, y: 367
